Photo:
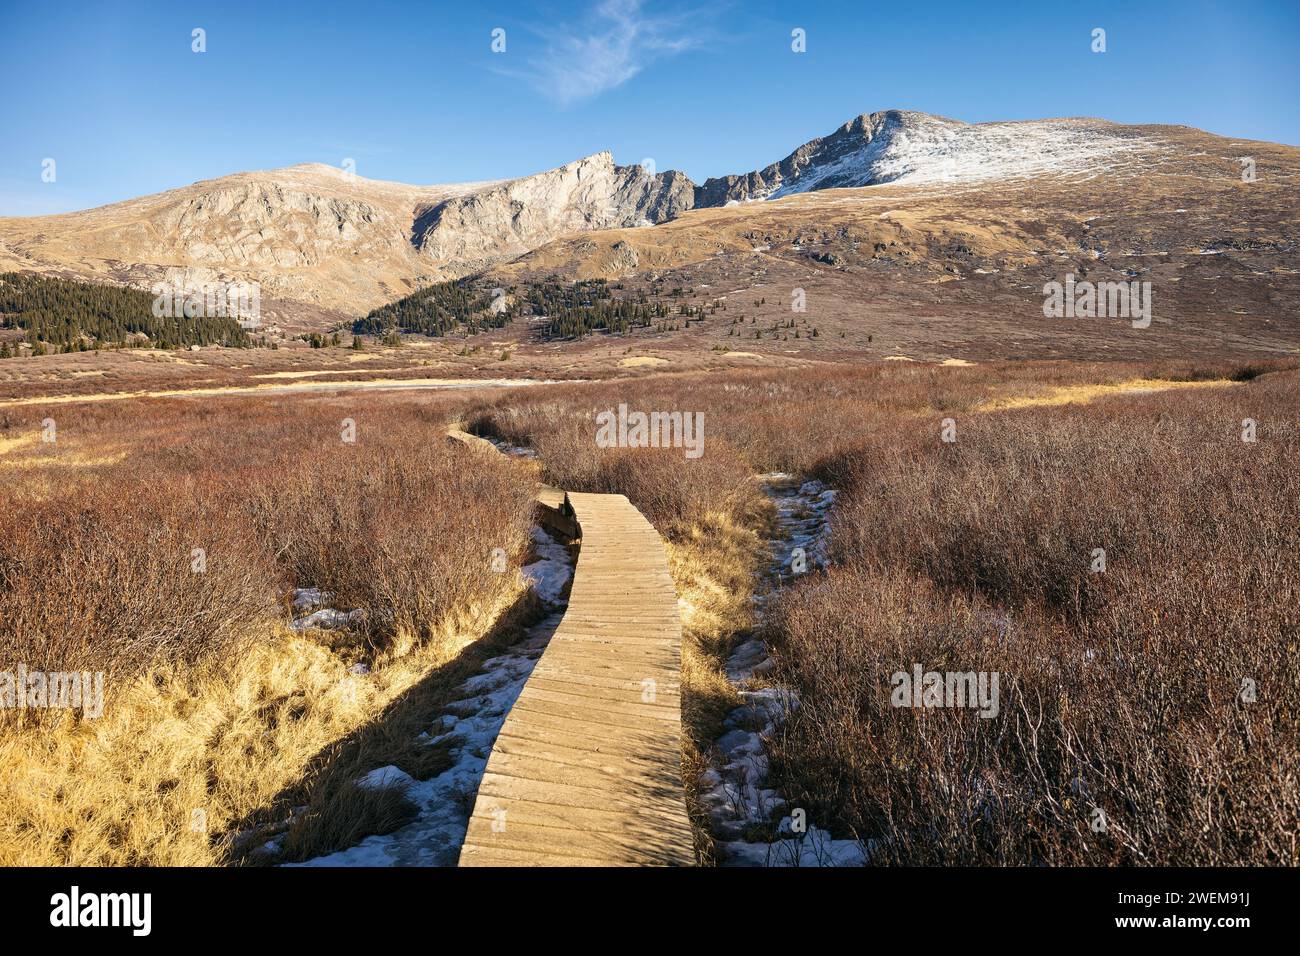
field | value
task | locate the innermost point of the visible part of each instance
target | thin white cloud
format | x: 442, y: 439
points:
x: 615, y: 42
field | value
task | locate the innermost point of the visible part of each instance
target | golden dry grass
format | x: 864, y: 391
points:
x: 641, y: 361
x: 212, y: 705
x: 16, y: 442
x: 179, y: 758
x: 714, y: 567
x: 231, y: 390
x: 1086, y: 392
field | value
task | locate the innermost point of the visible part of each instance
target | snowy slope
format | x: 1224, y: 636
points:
x: 901, y: 146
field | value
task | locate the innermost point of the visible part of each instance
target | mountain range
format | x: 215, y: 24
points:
x: 895, y: 187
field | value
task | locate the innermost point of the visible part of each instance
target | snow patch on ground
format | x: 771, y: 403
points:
x: 444, y: 802
x: 551, y: 573
x: 326, y: 619
x: 816, y: 848
x: 803, y: 516
x: 514, y: 451
x: 308, y: 599
x: 469, y: 725
x: 735, y: 789
x: 384, y: 777
x: 313, y: 613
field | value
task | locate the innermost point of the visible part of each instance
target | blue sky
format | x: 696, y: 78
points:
x: 113, y: 92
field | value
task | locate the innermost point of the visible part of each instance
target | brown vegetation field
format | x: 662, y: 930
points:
x: 1149, y: 710
x: 1122, y: 690
x: 212, y: 703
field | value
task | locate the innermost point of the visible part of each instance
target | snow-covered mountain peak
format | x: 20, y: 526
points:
x: 910, y: 147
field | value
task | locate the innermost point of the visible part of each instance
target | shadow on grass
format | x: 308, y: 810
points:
x: 325, y: 810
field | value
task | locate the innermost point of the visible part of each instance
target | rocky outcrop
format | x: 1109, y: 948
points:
x: 624, y: 258
x: 518, y: 215
x: 274, y: 226
x: 652, y: 198
x: 844, y: 158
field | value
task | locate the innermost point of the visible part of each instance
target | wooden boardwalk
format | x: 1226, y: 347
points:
x: 457, y: 433
x: 554, y: 511
x: 587, y: 768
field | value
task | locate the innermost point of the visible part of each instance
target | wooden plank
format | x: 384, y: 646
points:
x: 553, y: 511
x: 587, y: 771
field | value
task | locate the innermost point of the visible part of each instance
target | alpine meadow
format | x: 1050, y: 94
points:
x: 634, y: 433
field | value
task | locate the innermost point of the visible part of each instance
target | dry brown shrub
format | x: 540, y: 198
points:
x: 1121, y: 690
x: 98, y: 562
x: 211, y: 703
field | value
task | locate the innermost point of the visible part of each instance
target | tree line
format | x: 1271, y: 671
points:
x: 65, y: 315
x: 572, y: 311
x: 588, y: 306
x: 437, y: 310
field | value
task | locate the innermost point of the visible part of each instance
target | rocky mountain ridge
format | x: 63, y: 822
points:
x: 321, y: 235
x: 328, y: 238
x: 512, y: 217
